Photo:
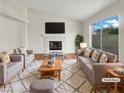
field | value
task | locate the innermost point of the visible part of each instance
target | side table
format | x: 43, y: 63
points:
x: 112, y: 73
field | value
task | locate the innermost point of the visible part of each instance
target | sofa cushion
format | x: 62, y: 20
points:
x: 4, y: 57
x: 95, y: 56
x: 86, y: 59
x: 80, y: 52
x: 23, y: 50
x: 13, y: 68
x: 87, y: 63
x: 87, y: 52
x: 103, y: 58
x: 112, y: 58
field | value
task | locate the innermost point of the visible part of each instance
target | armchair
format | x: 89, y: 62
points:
x: 28, y: 58
x: 8, y: 71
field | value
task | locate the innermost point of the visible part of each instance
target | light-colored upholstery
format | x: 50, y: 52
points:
x: 95, y: 70
x: 87, y: 52
x: 8, y: 71
x: 42, y: 86
x: 28, y: 58
x: 103, y: 58
x: 95, y: 56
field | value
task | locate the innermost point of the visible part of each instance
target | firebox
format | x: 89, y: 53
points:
x: 55, y: 45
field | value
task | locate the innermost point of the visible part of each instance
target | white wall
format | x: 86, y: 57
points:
x: 10, y: 34
x: 12, y: 26
x: 36, y: 27
x: 115, y: 9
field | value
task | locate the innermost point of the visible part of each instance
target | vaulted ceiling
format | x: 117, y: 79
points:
x: 77, y: 9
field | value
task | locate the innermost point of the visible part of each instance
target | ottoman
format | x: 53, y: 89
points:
x: 42, y: 86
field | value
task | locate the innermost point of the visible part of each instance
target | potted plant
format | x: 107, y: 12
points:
x: 78, y: 40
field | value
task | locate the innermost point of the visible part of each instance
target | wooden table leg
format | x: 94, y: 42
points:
x: 41, y: 75
x: 55, y: 72
x: 115, y: 88
x: 123, y: 88
x: 59, y: 75
x: 95, y: 88
x: 108, y: 86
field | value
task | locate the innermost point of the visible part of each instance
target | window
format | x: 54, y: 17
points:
x: 105, y: 34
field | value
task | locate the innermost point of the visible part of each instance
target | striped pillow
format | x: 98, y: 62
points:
x: 95, y: 56
x: 87, y: 52
x: 103, y: 58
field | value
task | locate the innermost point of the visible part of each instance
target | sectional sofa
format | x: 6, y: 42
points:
x: 95, y: 70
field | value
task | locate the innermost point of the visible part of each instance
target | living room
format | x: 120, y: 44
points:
x: 25, y: 24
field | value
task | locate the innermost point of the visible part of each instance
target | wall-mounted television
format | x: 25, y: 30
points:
x: 54, y: 27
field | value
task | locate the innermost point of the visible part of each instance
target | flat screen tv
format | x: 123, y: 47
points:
x: 54, y: 27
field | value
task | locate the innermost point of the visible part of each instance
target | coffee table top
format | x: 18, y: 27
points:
x: 44, y: 66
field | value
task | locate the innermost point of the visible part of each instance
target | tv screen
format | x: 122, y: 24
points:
x: 54, y: 27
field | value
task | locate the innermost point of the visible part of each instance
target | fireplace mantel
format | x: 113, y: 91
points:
x: 54, y: 35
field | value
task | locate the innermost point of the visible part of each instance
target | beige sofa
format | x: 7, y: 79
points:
x: 95, y: 71
x: 8, y: 71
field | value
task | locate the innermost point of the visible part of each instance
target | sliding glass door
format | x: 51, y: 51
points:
x: 96, y: 36
x: 105, y: 34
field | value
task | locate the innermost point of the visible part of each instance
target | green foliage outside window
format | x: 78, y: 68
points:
x: 109, y: 30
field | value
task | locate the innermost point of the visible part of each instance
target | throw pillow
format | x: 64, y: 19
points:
x: 87, y: 52
x: 95, y: 56
x: 80, y: 52
x: 16, y: 51
x: 5, y: 57
x: 23, y: 51
x: 103, y: 58
x: 0, y: 59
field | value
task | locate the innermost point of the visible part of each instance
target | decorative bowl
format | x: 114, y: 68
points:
x: 120, y: 70
x: 51, y: 63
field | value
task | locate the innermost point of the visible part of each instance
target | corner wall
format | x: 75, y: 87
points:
x: 114, y: 9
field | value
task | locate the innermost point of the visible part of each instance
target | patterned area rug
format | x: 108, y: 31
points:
x: 73, y: 79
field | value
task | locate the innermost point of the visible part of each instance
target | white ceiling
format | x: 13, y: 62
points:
x: 77, y: 9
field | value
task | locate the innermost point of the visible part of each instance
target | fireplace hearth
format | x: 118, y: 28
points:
x: 55, y: 45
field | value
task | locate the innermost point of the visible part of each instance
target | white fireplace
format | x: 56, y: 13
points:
x: 54, y: 43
